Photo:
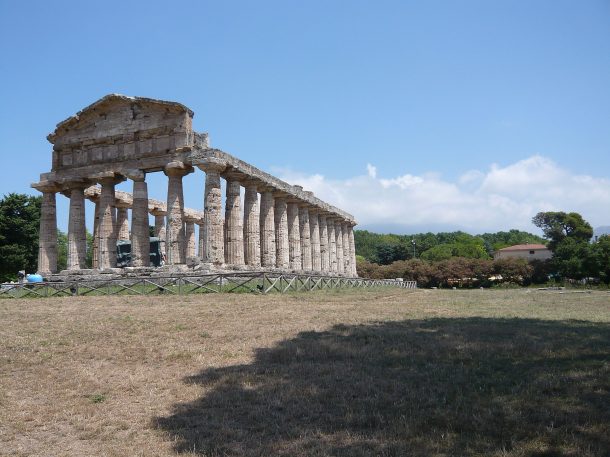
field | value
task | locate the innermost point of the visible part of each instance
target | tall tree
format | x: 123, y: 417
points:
x: 19, y: 225
x: 557, y: 226
x: 601, y: 251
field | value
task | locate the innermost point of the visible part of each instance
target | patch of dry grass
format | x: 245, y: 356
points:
x: 354, y: 373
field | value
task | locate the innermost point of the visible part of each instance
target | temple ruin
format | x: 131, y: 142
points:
x: 120, y: 137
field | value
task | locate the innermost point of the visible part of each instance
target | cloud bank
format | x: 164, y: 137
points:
x: 500, y: 198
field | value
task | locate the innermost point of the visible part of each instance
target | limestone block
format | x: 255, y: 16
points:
x: 347, y: 261
x: 77, y: 232
x: 294, y: 236
x: 282, y: 254
x: 107, y: 221
x: 352, y: 250
x: 339, y: 242
x: 96, y: 234
x: 175, y: 234
x: 314, y: 227
x: 234, y: 232
x: 189, y: 228
x: 213, y: 227
x: 252, y: 246
x: 267, y: 230
x: 324, y: 254
x: 332, y: 244
x: 305, y: 237
x: 47, y: 246
x: 160, y: 227
x: 140, y: 239
x: 122, y: 222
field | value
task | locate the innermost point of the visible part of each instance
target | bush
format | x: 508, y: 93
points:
x: 459, y: 272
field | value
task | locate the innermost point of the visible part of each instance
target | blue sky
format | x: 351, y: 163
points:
x: 435, y: 115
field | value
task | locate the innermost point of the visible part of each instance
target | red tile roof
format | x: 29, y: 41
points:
x: 524, y: 247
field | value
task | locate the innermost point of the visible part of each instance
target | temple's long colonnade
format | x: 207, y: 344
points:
x: 274, y: 230
x: 275, y: 226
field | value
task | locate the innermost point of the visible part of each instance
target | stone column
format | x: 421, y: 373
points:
x: 347, y: 261
x: 267, y: 223
x: 47, y: 244
x: 107, y: 235
x: 213, y: 236
x: 339, y: 240
x: 175, y: 245
x: 252, y: 237
x: 189, y: 236
x: 294, y: 237
x: 96, y: 234
x: 332, y: 244
x: 352, y: 250
x: 314, y: 227
x: 234, y: 231
x: 122, y: 221
x: 200, y: 245
x: 160, y: 228
x: 140, y: 232
x: 282, y: 249
x: 305, y: 237
x: 324, y: 254
x: 77, y: 231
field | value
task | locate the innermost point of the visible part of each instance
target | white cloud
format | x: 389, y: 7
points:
x: 500, y: 198
x: 372, y: 170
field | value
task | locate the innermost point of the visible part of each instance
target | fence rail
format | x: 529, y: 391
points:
x: 258, y: 283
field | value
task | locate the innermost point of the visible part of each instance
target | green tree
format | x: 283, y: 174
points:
x: 558, y: 226
x: 569, y: 235
x: 574, y: 259
x: 89, y: 257
x: 387, y: 253
x: 62, y: 250
x: 19, y: 221
x: 439, y: 252
x: 601, y: 252
x: 499, y: 240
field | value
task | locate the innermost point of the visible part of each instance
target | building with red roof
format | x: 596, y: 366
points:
x: 524, y: 251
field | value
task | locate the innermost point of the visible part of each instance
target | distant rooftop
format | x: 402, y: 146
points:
x: 524, y: 247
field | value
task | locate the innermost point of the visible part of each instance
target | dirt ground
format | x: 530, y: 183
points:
x: 350, y: 373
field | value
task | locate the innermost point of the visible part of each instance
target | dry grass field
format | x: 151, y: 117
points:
x: 352, y: 373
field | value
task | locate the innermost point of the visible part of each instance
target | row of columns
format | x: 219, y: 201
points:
x: 280, y: 232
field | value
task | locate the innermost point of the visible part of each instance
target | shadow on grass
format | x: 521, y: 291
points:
x: 418, y: 387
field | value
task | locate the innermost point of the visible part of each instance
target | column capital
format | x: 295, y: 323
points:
x: 266, y: 188
x: 211, y: 164
x: 251, y: 182
x: 77, y: 183
x: 230, y: 174
x: 177, y: 168
x: 192, y: 219
x: 122, y: 204
x: 92, y: 193
x: 136, y: 175
x: 46, y: 186
x: 107, y: 177
x: 280, y: 195
x: 157, y: 211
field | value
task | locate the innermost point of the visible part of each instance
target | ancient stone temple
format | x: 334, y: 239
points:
x: 277, y: 226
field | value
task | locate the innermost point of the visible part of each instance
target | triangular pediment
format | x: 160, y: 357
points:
x: 117, y: 114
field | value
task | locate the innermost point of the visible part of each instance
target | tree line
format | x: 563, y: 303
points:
x: 432, y: 259
x: 461, y: 259
x: 384, y: 249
